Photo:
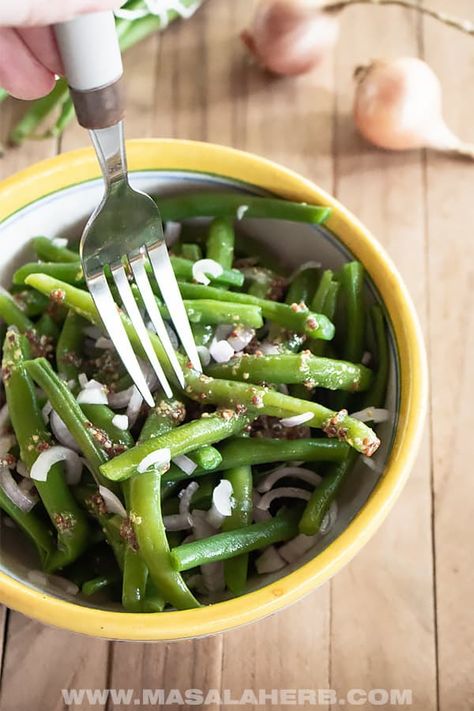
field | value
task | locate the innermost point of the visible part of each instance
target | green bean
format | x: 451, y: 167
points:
x: 226, y: 392
x: 182, y: 440
x: 70, y: 272
x: 293, y: 368
x: 39, y: 110
x: 235, y: 570
x: 12, y: 314
x: 203, y: 333
x: 33, y: 526
x: 302, y: 287
x: 183, y: 269
x: 207, y: 458
x: 31, y: 302
x: 220, y: 204
x: 227, y: 545
x: 323, y: 495
x: 48, y: 251
x: 317, y: 304
x: 27, y: 421
x: 208, y: 311
x: 264, y: 283
x: 220, y: 243
x: 166, y: 414
x: 319, y: 348
x: 94, y: 585
x: 69, y: 360
x: 45, y: 326
x: 101, y: 417
x: 252, y: 451
x: 296, y: 317
x: 375, y: 396
x: 91, y: 441
x: 191, y: 251
x: 352, y: 285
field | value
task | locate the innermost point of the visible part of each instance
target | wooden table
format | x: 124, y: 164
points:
x: 400, y: 615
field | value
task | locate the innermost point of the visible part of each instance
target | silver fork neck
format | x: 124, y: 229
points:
x: 110, y: 148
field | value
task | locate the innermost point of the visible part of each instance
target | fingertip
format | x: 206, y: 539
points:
x: 37, y: 85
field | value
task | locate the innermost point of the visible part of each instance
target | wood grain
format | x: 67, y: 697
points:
x: 400, y: 615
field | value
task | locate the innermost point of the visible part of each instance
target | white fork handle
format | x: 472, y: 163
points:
x: 91, y: 56
x: 90, y: 51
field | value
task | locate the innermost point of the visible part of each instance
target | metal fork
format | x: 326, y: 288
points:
x: 124, y: 236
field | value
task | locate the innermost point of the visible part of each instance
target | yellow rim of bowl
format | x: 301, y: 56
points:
x: 71, y: 168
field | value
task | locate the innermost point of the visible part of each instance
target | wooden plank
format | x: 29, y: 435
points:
x: 40, y: 661
x: 382, y: 621
x: 450, y: 260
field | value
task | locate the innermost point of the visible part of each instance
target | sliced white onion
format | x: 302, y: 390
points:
x: 268, y: 348
x: 49, y: 457
x: 93, y: 332
x: 37, y: 577
x: 310, y: 264
x: 4, y: 417
x: 222, y: 503
x: 270, y: 561
x: 178, y: 522
x: 120, y: 421
x: 92, y: 396
x: 372, y: 414
x: 330, y: 519
x: 45, y: 411
x: 104, y: 344
x: 20, y: 498
x: 150, y: 375
x: 172, y: 335
x: 6, y: 443
x: 62, y: 433
x: 213, y: 573
x: 158, y: 458
x: 287, y: 492
x: 118, y: 401
x: 204, y: 355
x: 293, y: 550
x: 366, y: 358
x: 59, y: 241
x: 134, y: 406
x: 240, y: 337
x: 205, y: 267
x: 184, y: 463
x: 272, y: 477
x: 372, y: 464
x: 221, y: 351
x: 172, y: 232
x: 258, y: 514
x: 223, y: 331
x: 241, y: 210
x: 112, y: 502
x: 22, y: 470
x: 185, y: 497
x: 297, y: 420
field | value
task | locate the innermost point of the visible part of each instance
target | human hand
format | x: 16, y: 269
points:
x: 29, y: 58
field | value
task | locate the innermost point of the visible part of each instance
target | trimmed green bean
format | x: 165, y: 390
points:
x: 352, y: 286
x: 46, y: 326
x: 208, y: 311
x: 36, y: 530
x: 291, y: 368
x: 302, y: 288
x: 375, y: 396
x: 31, y: 302
x: 70, y: 272
x: 317, y: 304
x: 207, y: 458
x: 27, y: 421
x: 183, y: 269
x: 69, y: 359
x: 181, y: 440
x: 12, y: 314
x: 191, y: 251
x: 167, y: 414
x: 227, y: 545
x: 94, y: 585
x: 220, y: 243
x: 296, y: 317
x: 48, y: 251
x: 235, y: 570
x: 221, y: 204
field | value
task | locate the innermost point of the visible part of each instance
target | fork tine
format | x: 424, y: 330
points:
x: 141, y: 280
x: 128, y: 300
x: 107, y: 308
x: 169, y: 288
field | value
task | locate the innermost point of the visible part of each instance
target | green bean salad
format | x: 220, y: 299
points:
x: 234, y: 477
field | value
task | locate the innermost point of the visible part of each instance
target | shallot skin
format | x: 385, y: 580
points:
x: 288, y: 38
x: 397, y: 104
